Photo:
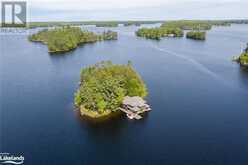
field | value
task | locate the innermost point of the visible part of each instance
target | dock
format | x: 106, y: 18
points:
x: 130, y: 114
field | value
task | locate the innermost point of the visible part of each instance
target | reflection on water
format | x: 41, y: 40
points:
x: 111, y: 130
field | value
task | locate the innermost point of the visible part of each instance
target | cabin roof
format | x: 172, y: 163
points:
x: 134, y: 101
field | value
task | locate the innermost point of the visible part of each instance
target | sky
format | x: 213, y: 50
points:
x: 85, y: 10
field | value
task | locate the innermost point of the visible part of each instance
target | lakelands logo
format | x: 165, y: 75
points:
x: 14, y: 14
x: 6, y: 158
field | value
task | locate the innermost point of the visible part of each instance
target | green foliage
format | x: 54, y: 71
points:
x: 196, y: 35
x: 243, y: 58
x: 157, y: 33
x: 67, y: 38
x: 188, y: 25
x: 104, y: 85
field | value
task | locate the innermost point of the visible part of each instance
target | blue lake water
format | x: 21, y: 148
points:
x: 198, y: 97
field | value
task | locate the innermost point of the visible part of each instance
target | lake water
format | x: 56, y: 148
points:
x: 198, y: 97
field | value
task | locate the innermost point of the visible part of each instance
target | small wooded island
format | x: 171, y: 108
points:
x: 176, y: 29
x: 158, y: 33
x: 67, y: 38
x: 243, y: 57
x: 105, y: 87
x: 196, y: 35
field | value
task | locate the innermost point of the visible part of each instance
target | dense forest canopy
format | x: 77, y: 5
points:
x: 67, y: 38
x: 197, y: 35
x: 104, y: 85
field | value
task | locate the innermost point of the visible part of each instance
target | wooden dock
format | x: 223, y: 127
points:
x: 130, y: 114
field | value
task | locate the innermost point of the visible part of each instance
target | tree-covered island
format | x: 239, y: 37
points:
x: 67, y: 38
x: 173, y: 29
x: 158, y: 33
x: 103, y: 87
x: 176, y: 29
x: 243, y: 57
x: 196, y: 35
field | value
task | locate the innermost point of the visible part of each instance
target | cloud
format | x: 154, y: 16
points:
x: 113, y: 4
x: 135, y: 9
x: 93, y: 4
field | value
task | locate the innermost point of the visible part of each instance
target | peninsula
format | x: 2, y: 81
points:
x: 67, y: 38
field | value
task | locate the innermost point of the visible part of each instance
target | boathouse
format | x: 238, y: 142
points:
x: 133, y: 106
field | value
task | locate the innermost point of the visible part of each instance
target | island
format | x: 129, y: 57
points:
x: 242, y: 59
x: 66, y: 38
x: 106, y: 88
x: 197, y: 29
x: 176, y: 29
x: 196, y: 35
x: 158, y: 33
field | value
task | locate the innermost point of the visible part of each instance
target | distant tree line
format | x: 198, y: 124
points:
x: 97, y: 23
x: 132, y: 23
x: 188, y: 25
x: 128, y: 23
x: 107, y: 24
